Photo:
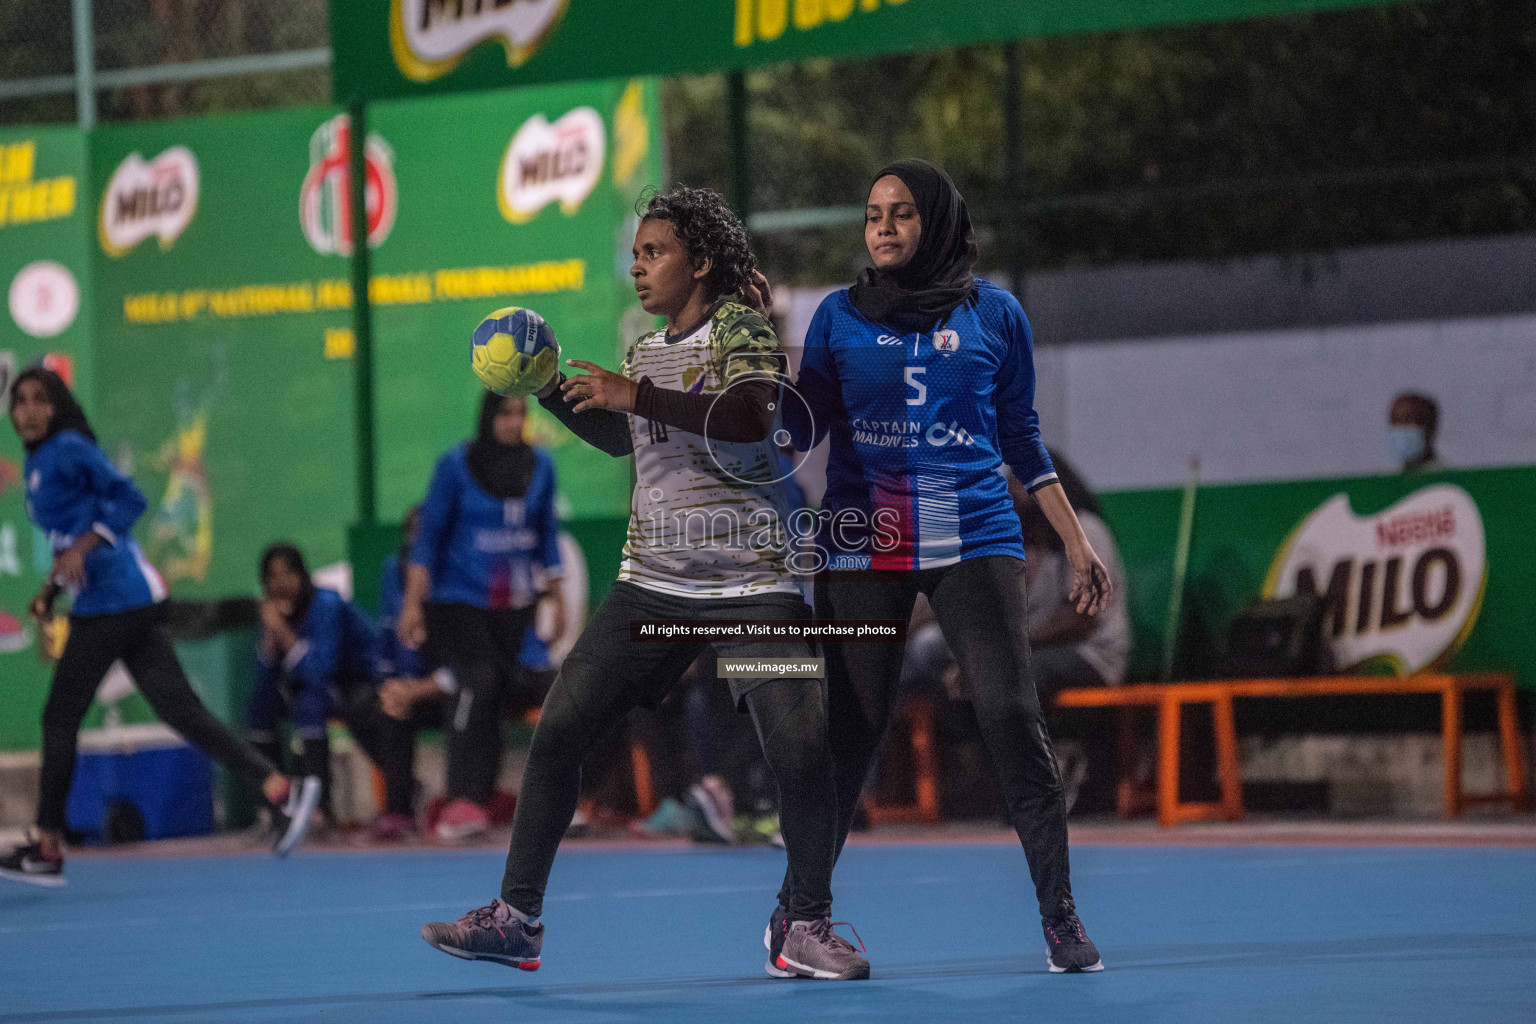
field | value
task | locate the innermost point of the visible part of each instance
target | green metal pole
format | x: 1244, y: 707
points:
x: 741, y: 158
x: 85, y: 64
x: 1171, y: 627
x: 362, y: 315
x: 1013, y: 166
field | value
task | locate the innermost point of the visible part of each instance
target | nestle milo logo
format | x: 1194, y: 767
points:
x: 1402, y: 588
x: 148, y: 198
x: 547, y: 163
x: 430, y: 37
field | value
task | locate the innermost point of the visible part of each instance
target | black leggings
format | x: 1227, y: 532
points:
x: 980, y: 607
x: 607, y: 674
x: 481, y: 648
x: 139, y: 638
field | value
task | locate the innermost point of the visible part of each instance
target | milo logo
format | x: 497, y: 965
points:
x: 148, y: 198
x: 547, y: 163
x: 1402, y: 588
x: 429, y: 37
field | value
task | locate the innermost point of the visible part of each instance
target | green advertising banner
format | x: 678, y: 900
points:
x: 1418, y: 572
x: 393, y: 48
x: 45, y: 270
x: 223, y: 296
x: 520, y: 198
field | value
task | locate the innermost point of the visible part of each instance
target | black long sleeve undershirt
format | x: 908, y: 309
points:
x: 743, y: 414
x: 604, y: 429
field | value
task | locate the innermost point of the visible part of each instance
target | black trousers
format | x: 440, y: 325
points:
x: 481, y: 649
x: 980, y: 607
x: 390, y: 743
x: 607, y: 674
x: 139, y: 638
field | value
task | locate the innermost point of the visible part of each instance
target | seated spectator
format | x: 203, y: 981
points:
x: 411, y: 697
x: 1067, y: 647
x: 315, y: 657
x: 1413, y: 421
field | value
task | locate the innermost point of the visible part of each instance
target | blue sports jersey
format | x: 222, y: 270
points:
x: 482, y: 550
x: 920, y: 424
x: 72, y: 489
x: 337, y: 650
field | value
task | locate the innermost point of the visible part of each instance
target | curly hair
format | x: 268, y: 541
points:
x: 708, y: 230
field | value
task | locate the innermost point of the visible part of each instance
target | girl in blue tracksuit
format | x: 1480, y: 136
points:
x: 87, y: 508
x: 318, y: 657
x: 924, y: 378
x: 486, y: 550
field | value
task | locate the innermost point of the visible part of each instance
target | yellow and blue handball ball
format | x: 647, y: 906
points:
x: 514, y: 352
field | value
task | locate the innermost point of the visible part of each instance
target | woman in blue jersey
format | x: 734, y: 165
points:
x: 486, y: 551
x: 318, y: 658
x: 924, y: 378
x: 87, y: 508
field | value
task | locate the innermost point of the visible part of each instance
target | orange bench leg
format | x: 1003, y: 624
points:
x: 1513, y: 749
x: 1226, y: 759
x: 1450, y: 743
x: 1168, y: 711
x: 923, y: 761
x: 645, y: 790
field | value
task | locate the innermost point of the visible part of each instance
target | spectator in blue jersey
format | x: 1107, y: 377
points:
x: 87, y: 508
x: 924, y: 378
x: 317, y: 659
x: 486, y: 551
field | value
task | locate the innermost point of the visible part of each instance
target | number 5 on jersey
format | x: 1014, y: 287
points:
x: 913, y: 372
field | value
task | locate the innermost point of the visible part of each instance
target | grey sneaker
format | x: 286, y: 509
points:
x: 1071, y: 951
x: 811, y: 950
x: 496, y: 933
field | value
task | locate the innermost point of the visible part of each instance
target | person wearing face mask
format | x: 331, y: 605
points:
x: 1413, y: 422
x: 924, y: 378
x: 486, y: 552
x: 88, y: 508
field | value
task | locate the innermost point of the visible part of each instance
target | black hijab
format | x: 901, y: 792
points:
x: 293, y: 558
x: 922, y: 293
x: 67, y: 414
x: 502, y: 470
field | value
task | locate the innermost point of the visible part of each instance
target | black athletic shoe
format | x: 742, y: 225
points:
x: 493, y: 933
x: 27, y: 864
x: 773, y: 938
x: 294, y: 816
x: 1071, y: 951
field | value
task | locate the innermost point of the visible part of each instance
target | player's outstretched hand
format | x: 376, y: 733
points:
x: 757, y: 294
x: 599, y: 388
x: 1091, y: 586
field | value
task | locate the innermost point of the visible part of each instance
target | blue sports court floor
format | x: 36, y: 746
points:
x: 675, y: 935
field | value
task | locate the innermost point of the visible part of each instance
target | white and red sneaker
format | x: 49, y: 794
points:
x: 460, y: 822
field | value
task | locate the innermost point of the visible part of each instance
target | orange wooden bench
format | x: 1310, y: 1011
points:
x: 1169, y: 699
